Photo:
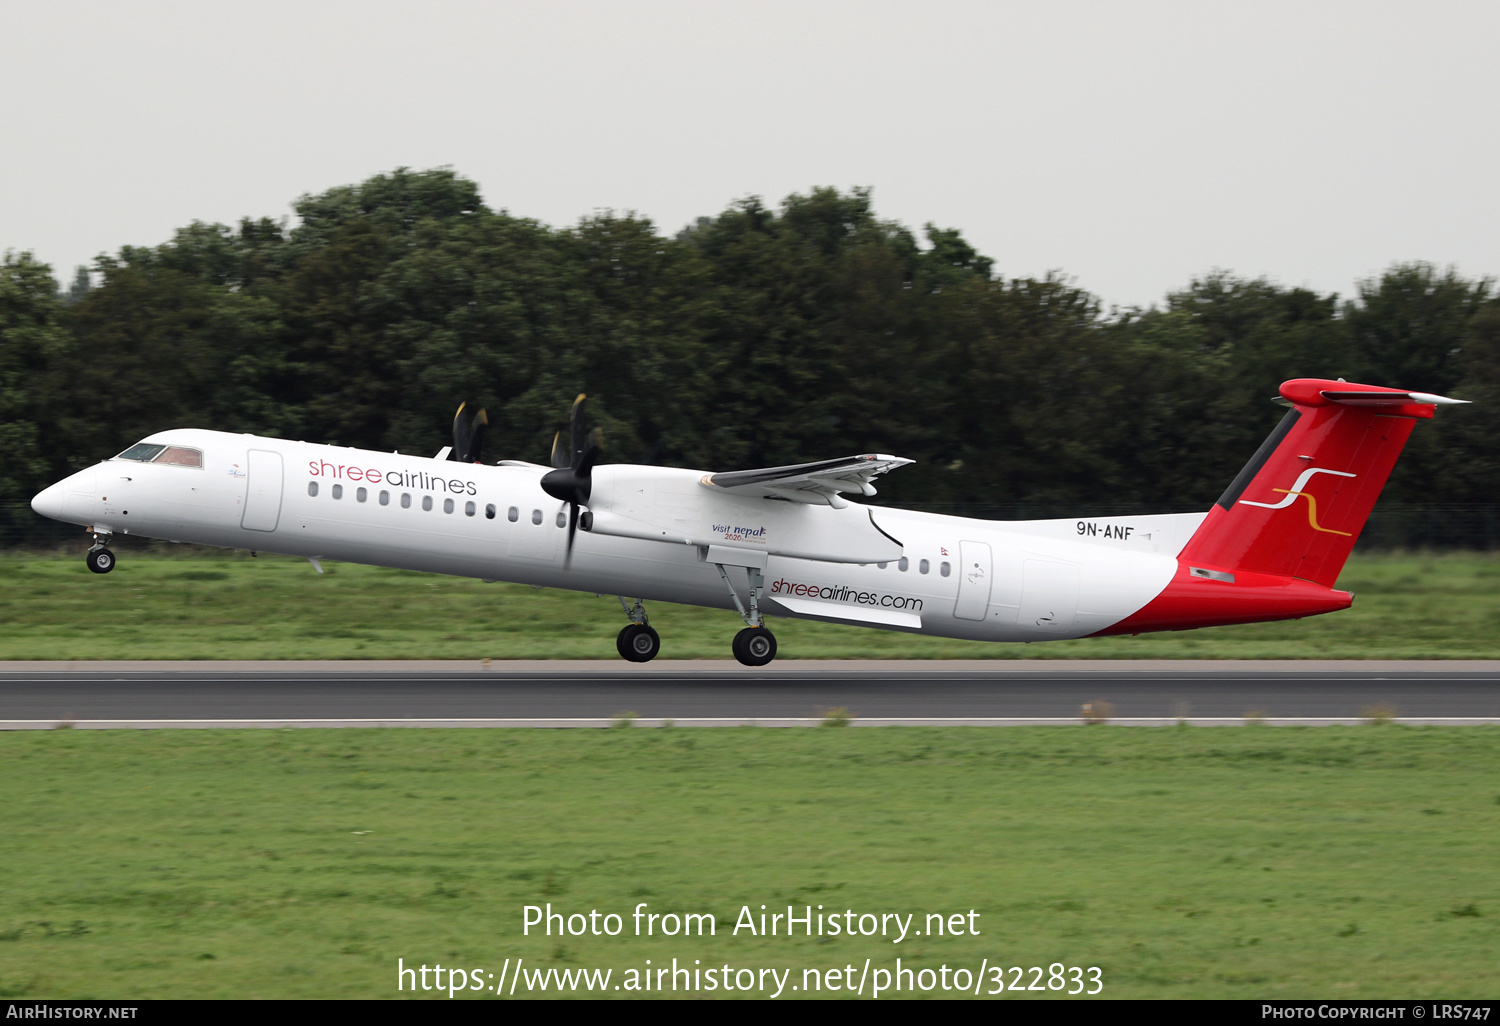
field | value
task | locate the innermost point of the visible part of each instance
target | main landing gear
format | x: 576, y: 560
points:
x: 755, y: 645
x: 99, y: 558
x: 637, y: 642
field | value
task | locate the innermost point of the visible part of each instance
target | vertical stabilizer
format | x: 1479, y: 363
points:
x: 1300, y: 503
x: 1273, y: 545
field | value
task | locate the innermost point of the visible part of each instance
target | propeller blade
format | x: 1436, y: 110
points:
x: 460, y: 431
x: 572, y: 479
x: 590, y: 454
x: 476, y: 435
x: 572, y: 532
x: 467, y: 434
x: 575, y: 431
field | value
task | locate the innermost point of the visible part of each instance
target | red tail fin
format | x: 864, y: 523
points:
x: 1274, y: 543
x: 1300, y: 503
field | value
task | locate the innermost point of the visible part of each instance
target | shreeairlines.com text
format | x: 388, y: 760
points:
x: 695, y: 978
x: 844, y: 593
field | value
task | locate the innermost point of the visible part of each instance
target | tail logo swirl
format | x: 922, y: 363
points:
x: 1296, y: 490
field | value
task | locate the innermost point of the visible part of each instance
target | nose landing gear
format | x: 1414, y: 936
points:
x: 637, y: 641
x: 99, y: 558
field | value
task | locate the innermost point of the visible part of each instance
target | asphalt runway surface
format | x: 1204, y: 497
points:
x: 711, y: 693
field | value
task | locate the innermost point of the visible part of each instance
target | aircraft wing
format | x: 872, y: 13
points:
x: 818, y: 483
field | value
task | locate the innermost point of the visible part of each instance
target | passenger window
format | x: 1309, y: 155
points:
x: 447, y: 505
x: 406, y: 500
x: 360, y: 495
x: 562, y: 519
x: 536, y: 516
x: 427, y: 503
x: 923, y: 567
x: 489, y: 511
x: 468, y: 509
x: 338, y: 491
x: 903, y: 564
x: 180, y: 456
x: 944, y: 568
x: 312, y: 488
x: 513, y: 514
x: 385, y: 497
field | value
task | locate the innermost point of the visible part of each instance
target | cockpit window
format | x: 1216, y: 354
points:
x: 148, y: 452
x: 181, y: 457
x: 142, y: 452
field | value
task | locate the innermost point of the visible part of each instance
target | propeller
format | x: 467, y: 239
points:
x: 572, y: 481
x: 468, y: 432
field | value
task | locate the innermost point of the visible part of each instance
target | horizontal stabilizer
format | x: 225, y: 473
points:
x: 1388, y: 398
x: 1310, y: 393
x: 819, y: 483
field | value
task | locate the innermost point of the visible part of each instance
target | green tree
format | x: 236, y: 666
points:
x: 1025, y: 391
x: 1457, y: 456
x: 830, y: 330
x: 1414, y: 327
x: 1409, y: 326
x: 1207, y: 367
x: 155, y: 348
x: 643, y: 309
x: 82, y: 283
x: 755, y: 337
x: 32, y: 339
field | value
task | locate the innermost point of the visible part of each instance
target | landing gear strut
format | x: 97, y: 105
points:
x: 99, y: 559
x: 755, y: 645
x: 637, y: 641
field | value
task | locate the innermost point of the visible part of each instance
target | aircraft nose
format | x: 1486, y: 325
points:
x: 49, y: 501
x: 71, y: 500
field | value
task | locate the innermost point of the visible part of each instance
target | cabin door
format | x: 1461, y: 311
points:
x: 262, y: 491
x: 974, y: 573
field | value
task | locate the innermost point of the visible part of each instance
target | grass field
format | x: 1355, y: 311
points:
x: 1184, y: 862
x: 178, y: 603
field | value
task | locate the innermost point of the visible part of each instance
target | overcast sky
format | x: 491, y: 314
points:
x: 1130, y: 145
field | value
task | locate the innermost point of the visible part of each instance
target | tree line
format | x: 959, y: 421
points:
x: 757, y: 337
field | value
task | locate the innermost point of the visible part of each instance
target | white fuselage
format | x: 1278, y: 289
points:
x: 954, y: 577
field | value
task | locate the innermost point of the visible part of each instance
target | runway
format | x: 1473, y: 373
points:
x: 713, y: 693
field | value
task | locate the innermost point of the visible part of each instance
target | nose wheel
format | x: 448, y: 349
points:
x: 100, y: 559
x: 638, y: 643
x: 754, y: 646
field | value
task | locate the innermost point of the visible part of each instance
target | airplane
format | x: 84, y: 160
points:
x: 782, y: 541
